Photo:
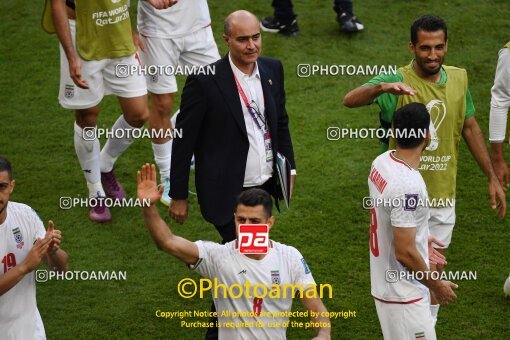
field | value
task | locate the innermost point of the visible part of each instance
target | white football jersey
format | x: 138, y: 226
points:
x: 282, y: 265
x: 399, y: 199
x: 186, y: 17
x: 19, y: 317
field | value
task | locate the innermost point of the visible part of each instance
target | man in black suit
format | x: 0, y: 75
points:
x: 235, y: 122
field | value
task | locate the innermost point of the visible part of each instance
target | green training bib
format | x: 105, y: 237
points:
x: 103, y: 29
x: 47, y: 19
x: 446, y: 104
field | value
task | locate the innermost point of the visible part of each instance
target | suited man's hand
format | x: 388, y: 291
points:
x: 178, y: 210
x: 292, y: 181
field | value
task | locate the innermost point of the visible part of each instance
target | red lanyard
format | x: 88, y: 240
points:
x: 248, y: 106
x: 241, y: 92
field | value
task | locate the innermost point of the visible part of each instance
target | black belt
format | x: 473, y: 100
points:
x: 269, y: 187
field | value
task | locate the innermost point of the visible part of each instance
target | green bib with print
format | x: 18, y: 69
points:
x: 103, y: 29
x: 446, y: 104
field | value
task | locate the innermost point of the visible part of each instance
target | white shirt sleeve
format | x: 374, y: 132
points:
x: 300, y: 271
x: 500, y: 98
x: 39, y: 230
x: 405, y: 209
x: 207, y: 264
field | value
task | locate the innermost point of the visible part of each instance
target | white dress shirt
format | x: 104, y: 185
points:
x: 258, y: 169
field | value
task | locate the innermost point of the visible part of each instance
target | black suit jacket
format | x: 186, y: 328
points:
x: 213, y: 128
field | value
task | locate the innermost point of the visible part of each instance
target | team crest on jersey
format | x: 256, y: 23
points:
x: 275, y: 277
x: 69, y: 91
x: 154, y: 78
x: 307, y: 269
x: 18, y: 237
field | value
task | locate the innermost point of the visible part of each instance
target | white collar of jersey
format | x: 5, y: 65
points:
x: 398, y: 160
x: 236, y: 245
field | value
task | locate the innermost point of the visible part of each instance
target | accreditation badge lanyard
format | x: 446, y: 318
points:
x: 255, y: 115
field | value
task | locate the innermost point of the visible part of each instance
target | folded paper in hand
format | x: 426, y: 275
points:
x: 283, y: 183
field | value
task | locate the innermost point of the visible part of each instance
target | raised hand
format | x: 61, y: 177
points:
x: 147, y: 185
x: 56, y: 238
x: 398, y: 89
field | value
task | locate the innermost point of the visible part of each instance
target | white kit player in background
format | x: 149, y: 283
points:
x: 225, y: 263
x: 178, y: 36
x: 498, y: 122
x: 89, y: 61
x: 399, y: 235
x: 23, y: 244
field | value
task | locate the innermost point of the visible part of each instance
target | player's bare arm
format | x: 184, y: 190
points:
x: 134, y: 33
x: 34, y: 257
x: 60, y: 20
x: 165, y: 240
x: 137, y: 41
x: 56, y: 258
x: 365, y: 95
x: 500, y: 104
x: 408, y: 255
x: 499, y: 163
x: 315, y: 305
x: 474, y: 139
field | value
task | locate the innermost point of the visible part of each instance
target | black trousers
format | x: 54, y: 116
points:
x: 285, y: 14
x: 228, y: 233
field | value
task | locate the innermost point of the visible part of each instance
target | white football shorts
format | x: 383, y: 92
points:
x: 441, y: 223
x: 104, y: 77
x: 195, y: 49
x: 411, y: 321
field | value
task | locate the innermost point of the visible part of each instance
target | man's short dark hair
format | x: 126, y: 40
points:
x: 428, y: 23
x: 411, y: 124
x: 5, y: 165
x: 254, y: 197
x: 226, y: 27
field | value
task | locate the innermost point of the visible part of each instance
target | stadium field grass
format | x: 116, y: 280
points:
x: 326, y: 222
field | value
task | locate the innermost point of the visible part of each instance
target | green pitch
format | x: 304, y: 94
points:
x: 326, y: 222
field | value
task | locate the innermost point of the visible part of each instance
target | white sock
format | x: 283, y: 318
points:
x: 115, y: 147
x: 162, y: 156
x: 88, y: 156
x: 434, y: 309
x: 96, y: 189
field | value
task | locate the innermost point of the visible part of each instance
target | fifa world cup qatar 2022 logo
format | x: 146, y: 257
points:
x: 437, y: 111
